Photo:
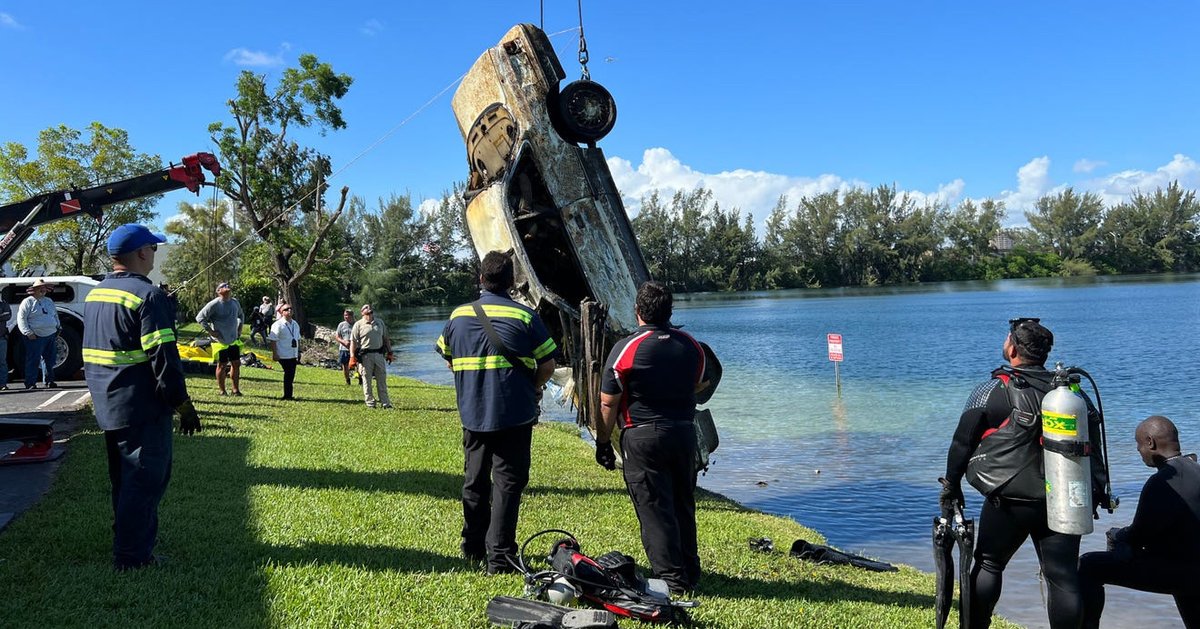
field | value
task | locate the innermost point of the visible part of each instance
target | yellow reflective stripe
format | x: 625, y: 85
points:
x: 158, y: 337
x: 441, y: 345
x: 476, y: 363
x: 545, y: 349
x: 493, y: 310
x: 114, y: 357
x: 114, y: 296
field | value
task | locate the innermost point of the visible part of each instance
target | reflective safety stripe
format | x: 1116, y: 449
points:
x: 114, y: 357
x: 476, y: 363
x: 545, y: 349
x: 493, y: 310
x: 114, y: 296
x: 441, y: 345
x: 158, y: 337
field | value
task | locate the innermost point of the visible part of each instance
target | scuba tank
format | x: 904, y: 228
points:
x: 1067, y: 455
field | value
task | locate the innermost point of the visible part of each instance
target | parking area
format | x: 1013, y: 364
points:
x: 21, y: 485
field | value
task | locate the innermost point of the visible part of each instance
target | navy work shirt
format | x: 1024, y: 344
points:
x: 655, y: 370
x: 129, y: 355
x: 491, y: 394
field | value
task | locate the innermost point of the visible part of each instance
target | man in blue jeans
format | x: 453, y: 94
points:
x: 37, y: 319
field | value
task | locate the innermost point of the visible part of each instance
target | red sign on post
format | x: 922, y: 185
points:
x: 835, y: 347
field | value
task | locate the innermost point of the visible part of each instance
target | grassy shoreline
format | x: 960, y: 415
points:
x: 323, y: 512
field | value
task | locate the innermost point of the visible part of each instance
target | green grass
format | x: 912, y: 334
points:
x: 326, y: 513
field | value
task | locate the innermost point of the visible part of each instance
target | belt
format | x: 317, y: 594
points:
x: 371, y: 351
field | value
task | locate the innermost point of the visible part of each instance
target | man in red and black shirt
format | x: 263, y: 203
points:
x: 649, y: 385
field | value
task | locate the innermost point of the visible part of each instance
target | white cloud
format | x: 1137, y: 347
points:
x: 1033, y: 182
x: 428, y: 207
x: 257, y: 58
x: 752, y: 191
x: 371, y: 27
x: 1119, y: 186
x: 1087, y: 165
x: 8, y: 21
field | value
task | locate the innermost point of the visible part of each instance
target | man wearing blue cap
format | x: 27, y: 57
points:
x: 136, y: 380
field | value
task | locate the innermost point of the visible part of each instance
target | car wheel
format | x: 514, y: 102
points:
x: 68, y: 359
x: 584, y: 112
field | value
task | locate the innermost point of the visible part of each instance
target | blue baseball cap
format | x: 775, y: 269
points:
x: 131, y: 237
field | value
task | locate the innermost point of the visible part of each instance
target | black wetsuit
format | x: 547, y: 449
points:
x: 1012, y: 513
x: 1159, y: 551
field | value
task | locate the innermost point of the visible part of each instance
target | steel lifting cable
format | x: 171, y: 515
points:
x: 583, y: 51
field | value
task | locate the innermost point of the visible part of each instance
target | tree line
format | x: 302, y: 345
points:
x: 867, y: 237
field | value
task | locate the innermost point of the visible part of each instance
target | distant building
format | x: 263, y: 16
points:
x: 1003, y: 242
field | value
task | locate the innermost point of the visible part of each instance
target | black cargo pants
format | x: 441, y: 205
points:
x: 660, y: 475
x: 495, y: 472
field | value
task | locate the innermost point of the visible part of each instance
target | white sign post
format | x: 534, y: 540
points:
x: 835, y: 356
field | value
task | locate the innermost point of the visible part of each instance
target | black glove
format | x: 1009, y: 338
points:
x: 605, y: 456
x: 189, y: 420
x: 950, y: 495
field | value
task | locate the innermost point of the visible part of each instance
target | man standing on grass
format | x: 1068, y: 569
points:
x: 372, y: 349
x: 500, y: 359
x: 222, y: 319
x: 136, y: 381
x: 649, y: 384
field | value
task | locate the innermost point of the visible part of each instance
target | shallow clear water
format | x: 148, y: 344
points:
x: 862, y: 468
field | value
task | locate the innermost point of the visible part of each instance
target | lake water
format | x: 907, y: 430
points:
x: 862, y: 468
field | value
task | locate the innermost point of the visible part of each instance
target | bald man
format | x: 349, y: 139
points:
x: 1160, y: 550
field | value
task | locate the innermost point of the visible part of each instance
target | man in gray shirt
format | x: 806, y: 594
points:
x: 222, y: 319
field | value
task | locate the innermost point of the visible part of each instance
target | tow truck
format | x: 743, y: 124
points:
x: 20, y: 219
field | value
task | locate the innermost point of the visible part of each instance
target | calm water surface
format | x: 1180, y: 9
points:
x: 862, y: 469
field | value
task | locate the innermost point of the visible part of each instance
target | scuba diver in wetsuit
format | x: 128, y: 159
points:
x: 997, y: 446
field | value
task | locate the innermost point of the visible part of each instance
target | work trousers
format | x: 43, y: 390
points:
x: 288, y: 365
x: 495, y: 472
x: 139, y: 467
x: 660, y: 474
x: 374, y: 367
x: 1141, y: 571
x: 40, y: 349
x: 1003, y: 526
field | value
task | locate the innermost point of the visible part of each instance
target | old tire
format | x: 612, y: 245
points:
x: 583, y: 112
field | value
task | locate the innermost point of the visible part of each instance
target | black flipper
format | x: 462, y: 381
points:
x: 943, y: 568
x: 818, y: 553
x: 964, y: 534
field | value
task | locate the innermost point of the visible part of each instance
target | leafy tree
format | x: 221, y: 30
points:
x: 1154, y: 232
x: 67, y: 159
x: 203, y: 234
x: 1068, y: 223
x: 270, y: 175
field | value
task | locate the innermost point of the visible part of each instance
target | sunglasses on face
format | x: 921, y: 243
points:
x: 285, y: 309
x: 1019, y: 321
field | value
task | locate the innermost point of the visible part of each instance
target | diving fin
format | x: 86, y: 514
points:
x: 963, y: 531
x: 943, y: 568
x: 818, y: 553
x: 523, y: 613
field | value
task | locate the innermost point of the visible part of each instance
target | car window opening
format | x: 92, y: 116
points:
x: 540, y: 225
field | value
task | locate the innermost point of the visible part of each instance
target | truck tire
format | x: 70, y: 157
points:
x: 68, y: 362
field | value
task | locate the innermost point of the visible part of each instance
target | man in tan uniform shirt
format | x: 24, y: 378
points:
x: 371, y: 346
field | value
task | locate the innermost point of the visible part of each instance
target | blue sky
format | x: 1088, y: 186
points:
x: 947, y: 100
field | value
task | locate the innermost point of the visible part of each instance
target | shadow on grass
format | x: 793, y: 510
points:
x: 822, y: 590
x: 433, y: 484
x: 377, y: 558
x: 427, y: 483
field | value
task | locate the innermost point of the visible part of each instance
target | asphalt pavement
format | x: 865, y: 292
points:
x: 21, y: 485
